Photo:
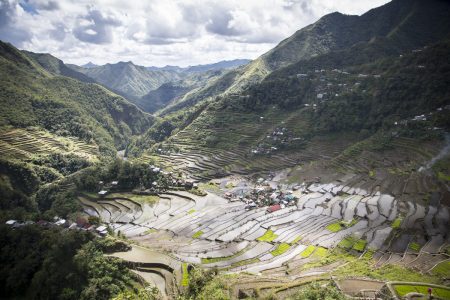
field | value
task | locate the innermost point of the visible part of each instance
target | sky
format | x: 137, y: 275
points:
x: 161, y: 32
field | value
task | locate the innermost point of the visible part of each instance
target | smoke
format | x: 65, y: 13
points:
x: 444, y: 151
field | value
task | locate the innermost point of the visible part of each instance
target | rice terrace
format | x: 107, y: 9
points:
x: 234, y: 150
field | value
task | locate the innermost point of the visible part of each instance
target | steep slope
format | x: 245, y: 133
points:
x: 407, y: 23
x: 32, y: 96
x: 57, y: 66
x: 52, y: 126
x: 169, y: 92
x: 129, y: 79
x: 141, y: 84
x: 312, y: 110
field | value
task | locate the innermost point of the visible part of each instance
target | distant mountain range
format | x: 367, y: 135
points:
x: 135, y: 82
x: 224, y: 64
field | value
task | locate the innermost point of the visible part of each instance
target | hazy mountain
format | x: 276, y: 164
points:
x: 133, y: 81
x: 89, y: 65
x: 224, y: 64
x: 129, y: 79
x: 169, y: 92
x: 166, y: 68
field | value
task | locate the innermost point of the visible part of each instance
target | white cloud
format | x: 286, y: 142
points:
x: 160, y: 32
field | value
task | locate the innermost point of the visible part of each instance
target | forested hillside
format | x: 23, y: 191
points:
x: 32, y: 96
x: 405, y: 24
x: 52, y: 126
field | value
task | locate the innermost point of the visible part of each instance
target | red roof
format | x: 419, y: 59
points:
x: 274, y: 208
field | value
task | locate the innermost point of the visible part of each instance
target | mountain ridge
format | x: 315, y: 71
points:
x: 333, y: 32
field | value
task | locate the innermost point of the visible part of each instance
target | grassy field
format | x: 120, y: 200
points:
x: 397, y: 222
x: 404, y: 289
x: 245, y: 262
x: 308, y: 251
x: 415, y: 247
x: 442, y: 269
x: 364, y: 267
x: 320, y: 252
x: 197, y: 234
x: 281, y: 249
x: 360, y: 245
x: 268, y: 236
x: 185, y: 274
x: 347, y: 243
x: 334, y: 227
x: 297, y: 239
x: 338, y: 226
x: 210, y: 260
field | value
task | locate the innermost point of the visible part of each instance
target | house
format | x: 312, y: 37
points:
x: 62, y: 222
x: 102, y: 193
x: 289, y: 197
x: 420, y: 118
x: 114, y: 183
x: 102, y: 230
x: 11, y: 222
x: 319, y: 96
x: 273, y: 208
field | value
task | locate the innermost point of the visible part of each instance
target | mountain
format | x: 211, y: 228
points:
x: 135, y: 82
x: 89, y: 65
x: 57, y: 66
x: 350, y: 75
x: 405, y: 23
x: 224, y: 64
x: 166, y: 68
x: 129, y: 79
x: 170, y: 92
x: 52, y: 125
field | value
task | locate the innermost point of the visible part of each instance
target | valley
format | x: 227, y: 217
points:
x: 318, y: 170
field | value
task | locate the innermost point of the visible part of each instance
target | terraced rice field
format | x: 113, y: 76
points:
x: 236, y: 135
x: 26, y: 143
x: 214, y: 232
x: 404, y: 289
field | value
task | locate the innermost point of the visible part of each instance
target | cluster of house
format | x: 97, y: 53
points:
x: 421, y: 118
x: 80, y: 224
x: 164, y: 151
x: 329, y: 85
x: 275, y: 140
x: 274, y: 198
x: 166, y: 180
x: 105, y: 188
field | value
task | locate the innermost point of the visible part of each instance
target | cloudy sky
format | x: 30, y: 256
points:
x: 161, y: 32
